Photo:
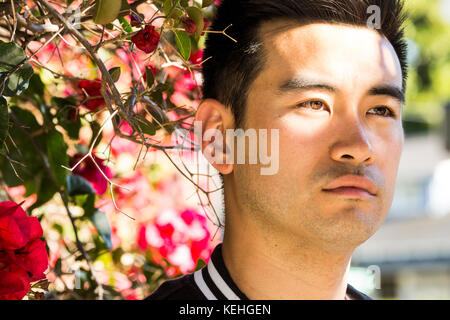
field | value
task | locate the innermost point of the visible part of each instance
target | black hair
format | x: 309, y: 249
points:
x: 233, y: 66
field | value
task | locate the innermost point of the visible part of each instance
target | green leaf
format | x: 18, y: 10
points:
x: 106, y: 11
x: 184, y: 43
x: 197, y: 16
x: 65, y: 105
x: 109, y: 26
x: 77, y: 185
x: 176, y: 13
x: 30, y: 164
x: 36, y: 89
x: 125, y: 24
x: 157, y: 92
x: 4, y: 120
x: 125, y: 5
x: 207, y: 3
x: 100, y: 220
x: 200, y: 264
x: 168, y: 5
x: 11, y: 56
x: 157, y: 114
x: 27, y: 118
x: 58, y: 228
x: 149, y: 77
x: 146, y: 126
x: 73, y: 128
x: 57, y: 155
x: 87, y: 203
x: 95, y: 127
x: 63, y: 102
x: 47, y: 189
x: 115, y: 73
x: 184, y: 3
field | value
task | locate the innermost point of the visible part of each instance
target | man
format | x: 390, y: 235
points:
x: 331, y: 83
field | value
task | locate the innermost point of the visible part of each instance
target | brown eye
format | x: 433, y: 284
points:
x: 312, y: 104
x: 383, y: 111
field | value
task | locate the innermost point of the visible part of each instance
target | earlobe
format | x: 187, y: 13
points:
x: 214, y: 118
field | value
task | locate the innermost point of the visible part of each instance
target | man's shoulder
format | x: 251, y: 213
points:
x: 182, y: 288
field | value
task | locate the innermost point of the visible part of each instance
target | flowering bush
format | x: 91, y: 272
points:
x: 96, y: 109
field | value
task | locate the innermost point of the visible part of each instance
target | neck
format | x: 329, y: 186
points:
x: 265, y: 265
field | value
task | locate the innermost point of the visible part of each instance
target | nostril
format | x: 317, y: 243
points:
x: 347, y: 156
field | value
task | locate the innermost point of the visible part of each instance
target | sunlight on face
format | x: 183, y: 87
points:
x: 335, y: 94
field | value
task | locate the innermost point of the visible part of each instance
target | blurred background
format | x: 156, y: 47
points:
x: 409, y: 257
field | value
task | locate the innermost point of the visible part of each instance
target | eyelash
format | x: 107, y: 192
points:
x: 390, y: 115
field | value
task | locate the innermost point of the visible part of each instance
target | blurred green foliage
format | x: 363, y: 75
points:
x: 428, y: 86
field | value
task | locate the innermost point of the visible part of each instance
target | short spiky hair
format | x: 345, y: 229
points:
x: 234, y: 66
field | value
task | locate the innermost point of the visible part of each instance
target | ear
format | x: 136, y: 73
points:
x: 215, y: 119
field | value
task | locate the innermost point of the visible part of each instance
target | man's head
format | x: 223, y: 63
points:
x: 233, y: 67
x: 332, y: 87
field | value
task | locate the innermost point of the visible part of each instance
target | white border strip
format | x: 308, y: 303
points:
x: 220, y: 283
x: 200, y: 282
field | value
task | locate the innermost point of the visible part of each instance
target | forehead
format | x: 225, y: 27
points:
x: 347, y: 56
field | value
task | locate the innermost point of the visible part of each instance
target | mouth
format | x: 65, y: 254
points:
x: 350, y: 192
x: 352, y: 186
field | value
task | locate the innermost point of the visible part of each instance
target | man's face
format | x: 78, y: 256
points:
x: 329, y: 89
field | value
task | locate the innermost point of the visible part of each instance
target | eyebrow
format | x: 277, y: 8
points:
x: 300, y: 83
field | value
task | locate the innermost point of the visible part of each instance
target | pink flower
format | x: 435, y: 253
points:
x: 188, y: 82
x: 196, y: 57
x: 121, y: 145
x: 181, y: 238
x: 137, y: 197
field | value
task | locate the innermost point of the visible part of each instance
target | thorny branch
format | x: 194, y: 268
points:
x: 52, y: 176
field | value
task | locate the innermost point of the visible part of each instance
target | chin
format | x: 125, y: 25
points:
x: 347, y: 228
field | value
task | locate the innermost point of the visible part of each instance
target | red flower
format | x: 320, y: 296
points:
x: 23, y: 257
x: 32, y: 258
x: 89, y: 171
x: 147, y: 39
x: 16, y: 228
x: 196, y: 57
x: 14, y: 281
x: 189, y: 25
x: 92, y: 88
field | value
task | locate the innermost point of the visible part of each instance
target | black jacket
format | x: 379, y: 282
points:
x: 213, y: 282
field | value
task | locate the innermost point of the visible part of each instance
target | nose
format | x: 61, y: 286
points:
x: 352, y: 145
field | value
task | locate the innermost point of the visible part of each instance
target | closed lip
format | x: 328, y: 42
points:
x: 354, y: 182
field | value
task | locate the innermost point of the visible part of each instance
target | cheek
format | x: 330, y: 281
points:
x: 389, y: 152
x: 300, y: 148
